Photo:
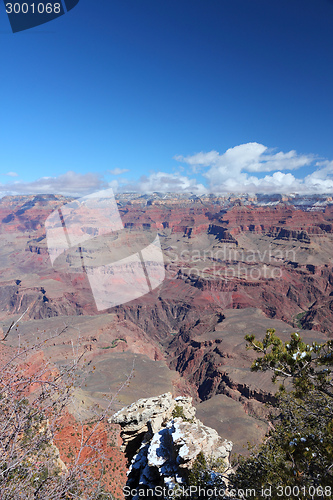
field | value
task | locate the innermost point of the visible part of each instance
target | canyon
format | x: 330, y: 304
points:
x: 233, y: 266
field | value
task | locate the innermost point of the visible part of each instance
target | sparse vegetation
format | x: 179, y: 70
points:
x: 114, y: 343
x: 33, y: 402
x: 298, y: 318
x: 178, y: 411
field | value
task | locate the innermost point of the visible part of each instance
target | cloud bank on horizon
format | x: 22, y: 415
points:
x: 233, y: 170
x: 240, y: 169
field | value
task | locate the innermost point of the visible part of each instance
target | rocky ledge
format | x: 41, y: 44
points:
x: 162, y: 439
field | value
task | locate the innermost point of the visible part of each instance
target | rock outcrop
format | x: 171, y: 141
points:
x: 162, y: 439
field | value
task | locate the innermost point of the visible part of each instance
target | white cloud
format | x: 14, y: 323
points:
x: 118, y: 171
x: 278, y: 182
x: 321, y: 180
x: 12, y: 174
x: 70, y: 183
x: 236, y: 171
x: 200, y: 159
x: 165, y: 182
x: 231, y: 171
x: 73, y: 184
x: 250, y: 157
x: 283, y: 161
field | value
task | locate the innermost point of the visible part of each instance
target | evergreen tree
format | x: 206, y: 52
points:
x: 296, y: 458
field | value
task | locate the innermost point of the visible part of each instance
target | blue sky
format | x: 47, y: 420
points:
x: 183, y: 95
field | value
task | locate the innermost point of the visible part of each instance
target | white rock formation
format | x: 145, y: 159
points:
x: 162, y: 438
x: 149, y: 415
